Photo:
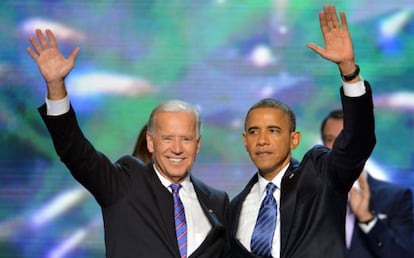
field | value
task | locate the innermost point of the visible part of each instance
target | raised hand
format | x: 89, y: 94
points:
x: 359, y: 199
x: 53, y: 66
x: 337, y: 39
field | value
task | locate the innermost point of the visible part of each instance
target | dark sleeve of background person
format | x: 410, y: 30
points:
x: 140, y: 149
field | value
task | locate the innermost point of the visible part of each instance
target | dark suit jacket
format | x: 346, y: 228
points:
x: 314, y: 192
x: 393, y: 234
x: 137, y: 209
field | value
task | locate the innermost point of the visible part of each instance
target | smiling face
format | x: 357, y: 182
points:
x: 174, y: 143
x: 269, y: 140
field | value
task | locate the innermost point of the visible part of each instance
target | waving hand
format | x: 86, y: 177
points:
x: 53, y: 66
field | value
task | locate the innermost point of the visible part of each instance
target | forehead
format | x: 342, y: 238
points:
x: 267, y: 116
x: 175, y: 121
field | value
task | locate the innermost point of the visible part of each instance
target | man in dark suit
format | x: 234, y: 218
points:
x: 380, y: 219
x: 307, y: 200
x: 142, y: 218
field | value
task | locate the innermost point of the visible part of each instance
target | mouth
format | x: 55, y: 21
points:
x: 175, y: 160
x: 263, y: 153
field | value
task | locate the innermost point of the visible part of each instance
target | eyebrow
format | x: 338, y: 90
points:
x: 267, y: 127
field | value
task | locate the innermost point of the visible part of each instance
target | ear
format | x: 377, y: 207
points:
x: 198, y: 144
x: 294, y: 140
x: 150, y: 143
x: 244, y: 140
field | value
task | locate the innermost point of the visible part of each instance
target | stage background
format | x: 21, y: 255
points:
x: 222, y: 55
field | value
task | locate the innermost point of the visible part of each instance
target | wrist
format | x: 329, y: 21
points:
x: 346, y: 67
x: 366, y: 220
x: 350, y: 76
x: 56, y: 90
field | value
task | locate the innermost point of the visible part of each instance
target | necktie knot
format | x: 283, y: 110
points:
x: 175, y: 188
x: 269, y: 199
x: 270, y: 188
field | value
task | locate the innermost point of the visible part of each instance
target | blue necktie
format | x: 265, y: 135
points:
x: 180, y: 222
x: 262, y: 238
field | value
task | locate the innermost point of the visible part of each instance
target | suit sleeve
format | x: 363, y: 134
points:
x: 88, y: 166
x: 394, y: 236
x: 356, y: 141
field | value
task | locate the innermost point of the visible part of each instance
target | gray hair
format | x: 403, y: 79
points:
x: 274, y: 103
x: 175, y: 106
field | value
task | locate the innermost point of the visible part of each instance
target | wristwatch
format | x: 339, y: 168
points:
x: 350, y: 77
x: 366, y: 222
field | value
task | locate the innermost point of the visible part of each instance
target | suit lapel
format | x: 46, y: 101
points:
x: 236, y: 211
x: 287, y: 204
x: 165, y: 206
x: 203, y: 196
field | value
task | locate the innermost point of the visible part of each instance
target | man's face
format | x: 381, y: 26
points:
x: 331, y: 130
x: 269, y: 141
x: 174, y: 144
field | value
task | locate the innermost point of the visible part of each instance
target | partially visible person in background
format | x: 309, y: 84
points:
x: 141, y: 150
x: 379, y: 220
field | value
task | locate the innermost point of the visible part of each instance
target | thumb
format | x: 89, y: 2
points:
x: 74, y: 54
x: 316, y: 48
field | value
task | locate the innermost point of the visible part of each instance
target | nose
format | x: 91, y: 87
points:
x: 176, y: 146
x: 262, y: 139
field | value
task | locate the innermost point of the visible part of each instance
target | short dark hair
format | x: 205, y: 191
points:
x: 274, y: 103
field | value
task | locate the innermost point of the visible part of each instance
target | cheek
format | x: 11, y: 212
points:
x: 159, y: 146
x: 248, y: 144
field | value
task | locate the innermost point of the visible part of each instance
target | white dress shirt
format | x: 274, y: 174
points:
x: 250, y: 211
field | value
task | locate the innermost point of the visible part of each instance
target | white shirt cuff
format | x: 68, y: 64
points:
x: 57, y: 107
x: 356, y: 89
x: 367, y: 227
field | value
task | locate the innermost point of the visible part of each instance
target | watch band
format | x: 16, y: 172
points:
x: 350, y: 77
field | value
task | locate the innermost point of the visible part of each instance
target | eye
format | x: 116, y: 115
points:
x: 274, y: 130
x: 187, y: 139
x: 253, y: 131
x: 167, y: 138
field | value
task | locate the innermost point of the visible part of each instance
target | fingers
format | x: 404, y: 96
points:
x: 323, y: 23
x: 332, y: 17
x: 329, y: 19
x: 42, y: 39
x: 74, y: 54
x: 363, y: 183
x: 35, y: 45
x: 40, y: 42
x: 343, y: 21
x: 52, y: 39
x: 316, y: 48
x: 32, y: 54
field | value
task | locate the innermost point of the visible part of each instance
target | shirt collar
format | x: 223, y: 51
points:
x: 277, y: 180
x: 185, y: 184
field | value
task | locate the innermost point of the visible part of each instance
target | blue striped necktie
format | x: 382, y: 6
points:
x: 180, y: 222
x: 262, y: 238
